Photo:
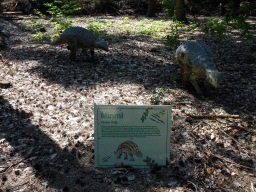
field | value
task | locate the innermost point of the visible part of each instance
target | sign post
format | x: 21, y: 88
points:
x: 130, y: 134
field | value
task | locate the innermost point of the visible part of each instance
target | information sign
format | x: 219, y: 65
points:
x: 131, y: 135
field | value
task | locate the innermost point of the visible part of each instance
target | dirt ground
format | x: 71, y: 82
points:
x: 47, y: 117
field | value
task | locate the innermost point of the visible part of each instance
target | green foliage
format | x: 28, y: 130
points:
x: 127, y: 27
x: 151, y: 163
x: 144, y: 21
x: 240, y: 15
x: 36, y: 11
x: 56, y: 9
x: 33, y: 20
x: 92, y: 28
x: 214, y: 25
x: 59, y: 8
x: 141, y: 23
x: 144, y: 116
x: 240, y: 21
x: 153, y: 29
x: 155, y: 98
x: 169, y: 7
x: 39, y: 25
x: 62, y: 25
x: 121, y: 36
x: 25, y: 26
x: 172, y: 39
x: 159, y: 23
x: 95, y: 27
x: 126, y: 19
x: 193, y: 25
x: 237, y: 15
x: 149, y: 30
x: 161, y: 35
x: 51, y: 72
x: 12, y: 70
x: 38, y: 36
x: 147, y: 20
x: 59, y: 25
x: 221, y: 28
x: 108, y: 23
x: 106, y: 35
x: 176, y: 77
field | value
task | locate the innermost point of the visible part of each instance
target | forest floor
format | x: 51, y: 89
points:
x: 47, y: 115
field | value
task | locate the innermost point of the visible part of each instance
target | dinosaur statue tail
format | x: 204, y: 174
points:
x: 5, y: 33
x: 158, y: 50
x: 41, y: 43
x: 59, y: 41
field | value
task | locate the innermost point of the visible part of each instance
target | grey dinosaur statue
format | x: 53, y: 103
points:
x: 78, y: 37
x: 197, y: 58
x: 4, y: 34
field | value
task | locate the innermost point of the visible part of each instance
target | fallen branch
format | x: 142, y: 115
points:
x: 193, y: 184
x: 213, y: 116
x: 6, y: 168
x: 230, y: 136
x: 230, y: 161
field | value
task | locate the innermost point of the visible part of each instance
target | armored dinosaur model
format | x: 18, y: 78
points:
x: 197, y: 58
x: 78, y: 37
x: 4, y: 34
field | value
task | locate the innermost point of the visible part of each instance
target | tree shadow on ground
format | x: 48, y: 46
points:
x: 57, y: 166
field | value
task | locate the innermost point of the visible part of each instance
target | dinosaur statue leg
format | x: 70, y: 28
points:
x: 194, y: 83
x: 73, y: 55
x: 84, y: 51
x: 183, y: 71
x: 72, y: 52
x: 88, y: 58
x: 73, y: 48
x: 92, y: 53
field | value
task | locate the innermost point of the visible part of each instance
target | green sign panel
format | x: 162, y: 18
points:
x: 130, y: 134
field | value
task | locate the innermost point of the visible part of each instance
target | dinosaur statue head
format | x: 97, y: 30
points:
x: 214, y: 77
x: 5, y: 33
x: 101, y: 45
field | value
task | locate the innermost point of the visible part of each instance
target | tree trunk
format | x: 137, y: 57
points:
x: 179, y: 11
x: 1, y: 7
x: 151, y: 8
